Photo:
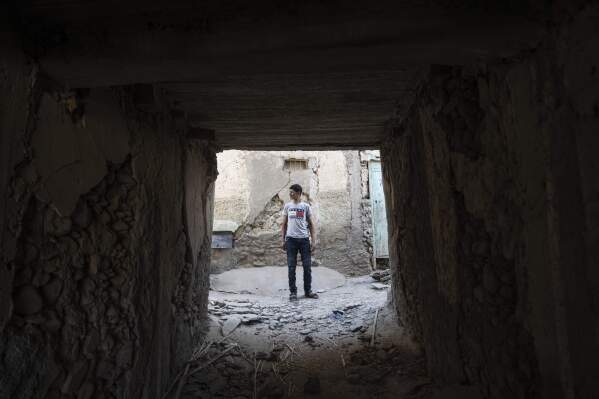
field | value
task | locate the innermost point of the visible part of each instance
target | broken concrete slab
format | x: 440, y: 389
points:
x: 230, y: 325
x: 379, y: 286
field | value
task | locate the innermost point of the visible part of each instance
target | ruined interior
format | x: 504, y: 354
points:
x: 252, y: 187
x: 486, y: 115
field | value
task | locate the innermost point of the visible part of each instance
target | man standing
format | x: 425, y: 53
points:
x: 297, y: 229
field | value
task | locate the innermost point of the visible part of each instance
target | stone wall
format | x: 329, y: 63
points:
x: 253, y: 188
x: 105, y: 240
x: 492, y: 206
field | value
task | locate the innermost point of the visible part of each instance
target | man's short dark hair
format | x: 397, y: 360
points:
x: 297, y: 188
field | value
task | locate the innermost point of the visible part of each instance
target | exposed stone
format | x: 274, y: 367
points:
x: 381, y: 275
x: 94, y: 262
x: 230, y: 325
x: 118, y: 280
x: 51, y: 291
x: 28, y: 301
x: 74, y: 378
x: 82, y: 216
x: 91, y: 343
x: 52, y: 323
x: 379, y: 286
x: 124, y: 356
x: 120, y: 226
x: 62, y: 226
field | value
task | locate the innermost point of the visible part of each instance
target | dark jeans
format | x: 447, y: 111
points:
x: 303, y: 246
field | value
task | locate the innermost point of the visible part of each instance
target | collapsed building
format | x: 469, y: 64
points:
x: 486, y: 116
x: 252, y: 188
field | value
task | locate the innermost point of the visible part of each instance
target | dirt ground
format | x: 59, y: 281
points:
x: 264, y: 346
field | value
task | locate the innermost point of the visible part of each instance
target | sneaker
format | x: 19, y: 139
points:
x: 312, y: 295
x: 293, y: 296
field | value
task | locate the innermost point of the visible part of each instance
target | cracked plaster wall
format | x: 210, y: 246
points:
x: 253, y: 187
x: 492, y: 198
x: 106, y: 215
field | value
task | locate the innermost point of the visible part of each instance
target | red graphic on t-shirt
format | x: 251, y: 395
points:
x: 299, y: 213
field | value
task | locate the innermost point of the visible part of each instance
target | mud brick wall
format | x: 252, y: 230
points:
x: 105, y: 240
x: 492, y: 216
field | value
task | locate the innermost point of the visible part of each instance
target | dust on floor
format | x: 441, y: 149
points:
x: 264, y: 346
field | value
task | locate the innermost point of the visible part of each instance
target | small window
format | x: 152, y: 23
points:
x: 295, y: 164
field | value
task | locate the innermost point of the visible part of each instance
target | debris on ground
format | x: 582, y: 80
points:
x: 381, y: 275
x: 268, y: 347
x: 379, y: 286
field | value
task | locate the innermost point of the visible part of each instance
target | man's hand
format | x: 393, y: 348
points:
x: 312, y: 246
x: 285, y: 246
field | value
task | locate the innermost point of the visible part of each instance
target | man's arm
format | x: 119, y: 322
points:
x: 312, y: 232
x: 284, y: 231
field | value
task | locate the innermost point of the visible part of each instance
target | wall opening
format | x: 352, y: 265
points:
x: 307, y: 340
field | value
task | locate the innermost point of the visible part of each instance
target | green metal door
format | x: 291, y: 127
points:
x: 380, y: 242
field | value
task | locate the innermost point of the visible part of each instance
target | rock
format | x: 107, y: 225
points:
x: 379, y: 286
x: 94, y: 262
x: 52, y: 323
x: 91, y: 343
x: 28, y: 300
x: 356, y: 328
x: 381, y: 275
x: 82, y: 216
x: 241, y: 311
x: 124, y: 356
x: 49, y: 250
x: 106, y: 370
x: 119, y: 225
x: 305, y: 332
x: 112, y: 315
x: 87, y: 288
x: 40, y: 278
x: 52, y: 265
x: 250, y: 318
x: 218, y: 304
x: 312, y: 385
x: 351, y: 306
x: 51, y: 291
x: 230, y: 325
x: 62, y: 226
x: 118, y: 280
x: 75, y: 378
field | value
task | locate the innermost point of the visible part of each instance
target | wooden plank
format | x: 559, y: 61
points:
x: 380, y: 242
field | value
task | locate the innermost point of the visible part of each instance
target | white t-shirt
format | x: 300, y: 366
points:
x: 297, y: 219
